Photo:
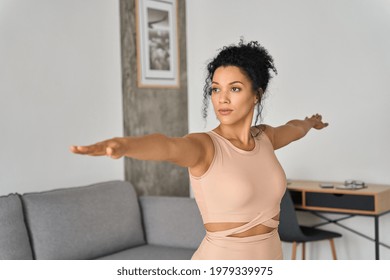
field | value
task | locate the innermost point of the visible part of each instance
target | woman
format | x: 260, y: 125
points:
x: 236, y: 178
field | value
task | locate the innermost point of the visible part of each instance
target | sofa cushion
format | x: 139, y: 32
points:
x: 14, y: 240
x: 172, y: 221
x: 152, y: 252
x: 84, y: 222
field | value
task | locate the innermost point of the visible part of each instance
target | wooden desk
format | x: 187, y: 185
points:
x: 374, y: 200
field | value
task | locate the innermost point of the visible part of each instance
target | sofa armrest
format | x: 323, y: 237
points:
x: 14, y: 239
x: 172, y: 221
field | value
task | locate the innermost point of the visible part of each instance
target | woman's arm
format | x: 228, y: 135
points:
x: 293, y: 130
x: 184, y: 151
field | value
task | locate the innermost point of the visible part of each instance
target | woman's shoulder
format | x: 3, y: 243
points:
x: 198, y: 135
x: 202, y: 138
x: 264, y: 129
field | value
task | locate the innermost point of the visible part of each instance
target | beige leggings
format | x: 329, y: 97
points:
x: 220, y: 246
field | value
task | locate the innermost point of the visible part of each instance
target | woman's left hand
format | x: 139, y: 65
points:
x: 317, y: 122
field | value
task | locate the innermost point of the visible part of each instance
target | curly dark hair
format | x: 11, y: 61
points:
x: 253, y: 59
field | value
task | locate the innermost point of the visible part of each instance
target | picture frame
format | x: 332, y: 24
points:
x: 157, y: 43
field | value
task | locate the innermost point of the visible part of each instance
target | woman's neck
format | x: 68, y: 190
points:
x: 240, y: 134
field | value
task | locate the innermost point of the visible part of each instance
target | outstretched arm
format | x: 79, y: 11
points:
x: 293, y: 130
x: 184, y: 151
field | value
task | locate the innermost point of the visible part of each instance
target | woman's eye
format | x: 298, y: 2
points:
x: 215, y: 90
x: 235, y: 89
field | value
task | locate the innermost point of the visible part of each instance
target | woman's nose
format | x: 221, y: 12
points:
x: 224, y: 98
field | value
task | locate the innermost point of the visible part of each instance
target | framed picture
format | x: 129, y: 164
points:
x: 157, y: 43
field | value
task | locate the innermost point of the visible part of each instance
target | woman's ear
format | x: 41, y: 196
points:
x: 259, y: 95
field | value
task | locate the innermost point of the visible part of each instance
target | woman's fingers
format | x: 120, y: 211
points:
x: 111, y: 148
x: 77, y: 149
x: 92, y: 150
x: 319, y: 124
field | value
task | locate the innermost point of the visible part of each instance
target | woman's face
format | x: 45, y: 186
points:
x: 232, y: 96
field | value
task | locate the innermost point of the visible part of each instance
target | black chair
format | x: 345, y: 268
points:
x: 291, y: 231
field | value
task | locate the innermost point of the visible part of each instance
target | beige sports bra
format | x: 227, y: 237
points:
x: 239, y: 185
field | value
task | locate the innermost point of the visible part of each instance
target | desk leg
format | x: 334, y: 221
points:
x: 376, y: 237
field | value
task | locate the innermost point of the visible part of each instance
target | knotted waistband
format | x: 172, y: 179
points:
x: 225, y: 234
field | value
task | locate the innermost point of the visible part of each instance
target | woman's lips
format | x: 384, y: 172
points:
x: 224, y: 112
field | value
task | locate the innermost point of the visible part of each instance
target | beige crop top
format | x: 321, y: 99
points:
x: 240, y: 185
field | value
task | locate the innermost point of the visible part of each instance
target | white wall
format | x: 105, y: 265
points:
x: 60, y: 84
x: 332, y: 58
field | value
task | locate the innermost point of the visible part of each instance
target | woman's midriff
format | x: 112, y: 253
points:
x: 256, y: 230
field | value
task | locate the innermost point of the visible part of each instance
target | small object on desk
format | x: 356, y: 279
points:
x: 359, y: 183
x: 351, y: 187
x: 354, y: 182
x: 326, y: 185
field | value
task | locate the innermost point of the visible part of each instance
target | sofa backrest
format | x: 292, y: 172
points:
x: 14, y: 240
x: 172, y: 221
x: 84, y: 222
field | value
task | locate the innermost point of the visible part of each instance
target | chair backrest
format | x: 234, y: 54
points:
x: 289, y: 229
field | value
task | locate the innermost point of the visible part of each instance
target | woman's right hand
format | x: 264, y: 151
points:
x: 188, y: 151
x: 114, y: 148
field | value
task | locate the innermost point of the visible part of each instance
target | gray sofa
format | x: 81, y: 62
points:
x: 100, y: 221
